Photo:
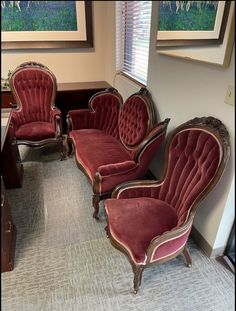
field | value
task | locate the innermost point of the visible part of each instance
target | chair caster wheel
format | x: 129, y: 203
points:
x: 135, y: 291
x: 189, y: 265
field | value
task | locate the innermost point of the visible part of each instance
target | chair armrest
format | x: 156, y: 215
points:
x: 169, y: 243
x: 78, y: 119
x: 109, y: 176
x: 135, y: 189
x: 55, y: 117
x: 15, y: 121
x: 116, y: 168
x: 54, y: 113
x: 155, y: 137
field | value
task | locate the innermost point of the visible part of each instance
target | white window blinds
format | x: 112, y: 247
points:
x: 133, y: 21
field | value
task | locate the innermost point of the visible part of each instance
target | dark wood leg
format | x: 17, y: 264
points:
x: 96, y: 200
x: 187, y: 257
x: 138, y: 271
x: 63, y: 151
x: 106, y: 229
x: 70, y: 147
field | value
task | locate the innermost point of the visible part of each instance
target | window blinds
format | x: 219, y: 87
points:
x: 133, y: 21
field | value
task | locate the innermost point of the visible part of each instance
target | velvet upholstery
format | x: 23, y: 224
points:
x: 35, y: 121
x: 115, y: 142
x: 133, y: 123
x: 102, y: 115
x: 150, y: 221
x: 33, y: 131
x: 134, y: 222
x: 95, y: 149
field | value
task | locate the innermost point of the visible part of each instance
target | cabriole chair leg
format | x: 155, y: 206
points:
x: 106, y: 229
x: 96, y: 200
x: 187, y: 257
x: 63, y: 151
x: 138, y: 271
x: 70, y: 147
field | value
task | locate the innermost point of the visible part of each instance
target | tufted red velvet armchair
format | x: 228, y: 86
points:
x: 114, y: 142
x: 150, y: 221
x: 36, y: 122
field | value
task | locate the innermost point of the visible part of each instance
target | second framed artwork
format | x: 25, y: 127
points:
x: 187, y: 23
x: 46, y: 24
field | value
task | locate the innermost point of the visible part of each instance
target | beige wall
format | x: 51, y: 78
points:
x: 72, y: 65
x: 183, y: 89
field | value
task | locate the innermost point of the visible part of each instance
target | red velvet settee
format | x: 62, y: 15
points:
x: 115, y: 142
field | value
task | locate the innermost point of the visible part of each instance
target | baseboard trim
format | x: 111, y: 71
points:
x: 204, y: 245
x: 229, y: 263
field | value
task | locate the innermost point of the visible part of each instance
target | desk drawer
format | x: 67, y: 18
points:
x: 8, y: 234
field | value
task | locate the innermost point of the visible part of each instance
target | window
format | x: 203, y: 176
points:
x: 133, y: 21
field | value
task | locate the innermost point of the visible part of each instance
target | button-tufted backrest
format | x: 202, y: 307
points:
x: 106, y: 106
x: 34, y: 88
x: 136, y: 119
x: 195, y: 159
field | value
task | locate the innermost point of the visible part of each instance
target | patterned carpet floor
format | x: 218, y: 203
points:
x: 64, y: 262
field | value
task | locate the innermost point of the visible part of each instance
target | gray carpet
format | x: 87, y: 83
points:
x: 65, y: 262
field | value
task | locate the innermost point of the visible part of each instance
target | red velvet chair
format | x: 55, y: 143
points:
x: 36, y: 121
x: 113, y: 142
x: 150, y: 221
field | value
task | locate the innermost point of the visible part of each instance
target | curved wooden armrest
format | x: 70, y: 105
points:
x: 174, y: 234
x: 134, y: 189
x: 158, y: 132
x: 14, y: 120
x: 108, y: 176
x: 55, y: 117
x: 116, y: 168
x: 54, y: 113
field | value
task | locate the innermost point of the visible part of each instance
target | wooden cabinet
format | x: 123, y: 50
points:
x: 11, y: 177
x: 8, y: 234
x: 70, y: 96
x: 11, y: 166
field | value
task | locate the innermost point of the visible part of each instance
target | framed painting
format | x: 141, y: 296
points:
x: 46, y: 24
x: 183, y: 23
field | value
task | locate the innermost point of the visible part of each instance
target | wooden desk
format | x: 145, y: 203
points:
x: 11, y: 166
x: 70, y: 96
x: 11, y: 173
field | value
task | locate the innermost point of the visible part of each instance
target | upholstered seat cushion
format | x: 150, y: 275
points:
x: 32, y: 131
x: 95, y: 148
x: 133, y: 223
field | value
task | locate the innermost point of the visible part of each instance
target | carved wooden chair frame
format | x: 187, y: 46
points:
x: 58, y: 137
x: 219, y: 131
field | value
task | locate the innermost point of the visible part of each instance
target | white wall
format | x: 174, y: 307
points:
x: 227, y: 219
x: 70, y: 65
x: 181, y: 90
